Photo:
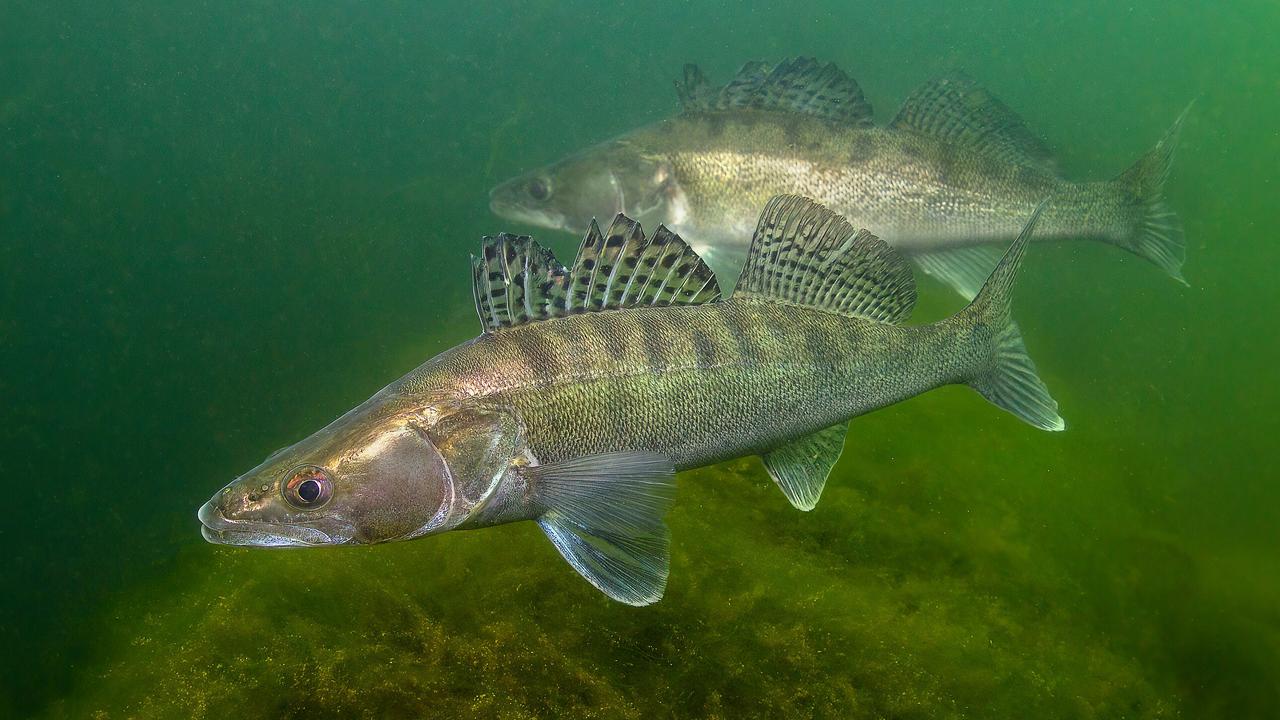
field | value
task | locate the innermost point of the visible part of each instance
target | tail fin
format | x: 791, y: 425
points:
x: 1157, y: 236
x: 1009, y: 380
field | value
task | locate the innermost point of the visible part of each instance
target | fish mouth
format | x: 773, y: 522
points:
x: 502, y: 206
x: 217, y: 529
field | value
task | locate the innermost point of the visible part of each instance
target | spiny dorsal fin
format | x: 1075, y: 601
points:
x: 959, y: 110
x: 799, y: 85
x: 516, y: 281
x: 805, y: 254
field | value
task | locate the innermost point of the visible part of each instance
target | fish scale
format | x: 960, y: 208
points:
x: 919, y: 192
x: 784, y: 371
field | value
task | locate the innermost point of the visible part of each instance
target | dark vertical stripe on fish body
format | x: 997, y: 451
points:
x: 704, y: 348
x: 532, y: 352
x: 737, y: 331
x: 815, y: 342
x: 654, y: 346
x: 557, y: 357
x: 699, y: 383
x: 614, y: 338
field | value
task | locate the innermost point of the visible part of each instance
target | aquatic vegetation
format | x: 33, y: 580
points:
x: 903, y: 595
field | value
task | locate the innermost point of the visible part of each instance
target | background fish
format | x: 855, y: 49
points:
x: 591, y: 386
x: 954, y: 171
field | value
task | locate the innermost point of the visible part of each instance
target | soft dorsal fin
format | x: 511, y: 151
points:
x: 805, y: 254
x: 516, y: 281
x: 799, y: 85
x: 959, y: 110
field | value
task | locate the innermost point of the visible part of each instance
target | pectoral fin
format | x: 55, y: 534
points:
x: 801, y: 467
x: 604, y: 514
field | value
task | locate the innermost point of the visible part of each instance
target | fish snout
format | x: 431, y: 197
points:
x: 212, y: 521
x: 217, y: 528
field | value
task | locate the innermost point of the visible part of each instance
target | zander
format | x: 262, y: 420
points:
x: 591, y: 386
x: 955, y: 171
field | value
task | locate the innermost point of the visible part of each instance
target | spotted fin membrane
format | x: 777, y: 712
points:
x: 517, y: 281
x: 796, y: 85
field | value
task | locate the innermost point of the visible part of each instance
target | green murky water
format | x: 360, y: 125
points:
x: 221, y: 226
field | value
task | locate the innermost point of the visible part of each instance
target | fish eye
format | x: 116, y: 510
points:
x: 309, y: 491
x: 539, y: 189
x: 308, y: 487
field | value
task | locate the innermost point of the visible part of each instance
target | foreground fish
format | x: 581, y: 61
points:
x: 955, y: 170
x: 590, y: 387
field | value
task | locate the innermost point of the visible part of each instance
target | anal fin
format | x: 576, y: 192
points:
x: 801, y: 467
x: 963, y: 269
x: 604, y: 514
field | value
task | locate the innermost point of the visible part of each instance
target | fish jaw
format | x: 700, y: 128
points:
x: 504, y: 202
x: 217, y: 529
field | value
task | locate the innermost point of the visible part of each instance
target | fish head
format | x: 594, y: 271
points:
x: 616, y: 177
x: 373, y: 476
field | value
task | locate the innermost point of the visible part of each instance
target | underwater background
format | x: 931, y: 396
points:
x: 224, y: 224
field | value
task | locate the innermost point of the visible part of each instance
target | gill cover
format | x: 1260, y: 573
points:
x: 602, y: 512
x: 476, y: 446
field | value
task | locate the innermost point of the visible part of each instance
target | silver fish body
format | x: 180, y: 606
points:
x: 914, y: 189
x: 955, y: 172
